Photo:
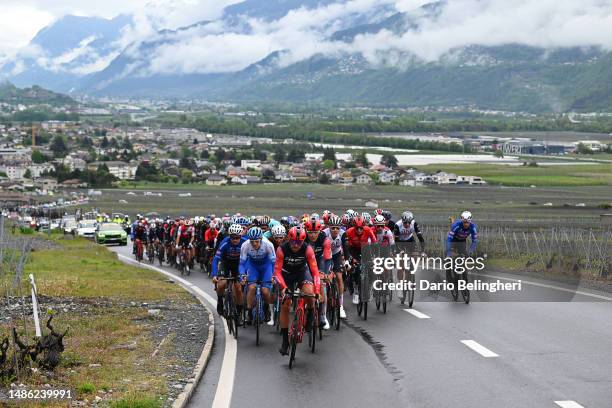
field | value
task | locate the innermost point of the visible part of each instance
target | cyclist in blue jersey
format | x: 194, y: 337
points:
x: 257, y: 258
x: 228, y: 256
x: 459, y: 233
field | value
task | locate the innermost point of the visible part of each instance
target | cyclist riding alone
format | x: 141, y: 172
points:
x: 257, y: 258
x: 296, y: 266
x: 459, y: 233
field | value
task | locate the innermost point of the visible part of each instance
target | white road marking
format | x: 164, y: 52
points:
x: 417, y: 314
x: 543, y: 285
x: 568, y: 404
x: 480, y: 349
x: 225, y: 386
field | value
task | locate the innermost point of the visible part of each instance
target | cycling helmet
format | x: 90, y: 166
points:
x: 242, y: 221
x: 359, y: 222
x: 227, y: 223
x: 255, y: 233
x: 387, y: 215
x: 295, y: 222
x: 380, y: 220
x: 366, y: 217
x: 407, y: 217
x: 346, y: 220
x: 278, y: 231
x: 264, y: 220
x: 315, y: 216
x: 273, y: 223
x: 297, y: 234
x: 378, y: 211
x: 235, y: 229
x: 285, y: 221
x: 334, y: 221
x: 313, y: 226
x: 305, y: 217
x: 466, y: 216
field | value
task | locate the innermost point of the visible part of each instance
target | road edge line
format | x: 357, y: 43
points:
x: 185, y: 396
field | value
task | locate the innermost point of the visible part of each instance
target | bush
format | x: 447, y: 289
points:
x: 26, y: 230
x: 86, y: 388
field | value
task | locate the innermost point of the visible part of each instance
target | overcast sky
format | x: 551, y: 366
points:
x: 303, y: 33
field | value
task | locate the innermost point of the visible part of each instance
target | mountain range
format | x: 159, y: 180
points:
x: 88, y: 55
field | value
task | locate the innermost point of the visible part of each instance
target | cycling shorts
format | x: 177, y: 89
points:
x: 259, y: 272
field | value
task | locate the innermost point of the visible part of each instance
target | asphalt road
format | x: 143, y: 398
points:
x: 544, y: 346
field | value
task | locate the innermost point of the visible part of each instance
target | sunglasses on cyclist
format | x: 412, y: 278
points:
x: 380, y: 226
x: 296, y: 242
x: 234, y: 237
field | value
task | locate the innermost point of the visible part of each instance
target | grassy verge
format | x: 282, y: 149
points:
x: 97, y: 362
x: 557, y: 176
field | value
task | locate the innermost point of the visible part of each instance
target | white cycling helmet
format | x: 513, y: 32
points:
x: 235, y: 229
x: 380, y: 220
x: 407, y: 216
x: 278, y: 231
x: 466, y: 216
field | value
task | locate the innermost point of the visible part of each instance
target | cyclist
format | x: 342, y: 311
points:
x: 279, y: 234
x: 139, y: 235
x: 355, y: 238
x: 406, y: 228
x: 257, y: 259
x: 210, y: 236
x: 184, y: 239
x: 296, y: 265
x: 322, y: 249
x: 228, y: 256
x: 335, y: 233
x: 458, y: 234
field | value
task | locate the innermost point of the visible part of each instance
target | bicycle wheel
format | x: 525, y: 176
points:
x: 451, y: 278
x: 257, y: 312
x: 312, y: 335
x: 293, y: 344
x: 411, y: 290
x: 466, y: 292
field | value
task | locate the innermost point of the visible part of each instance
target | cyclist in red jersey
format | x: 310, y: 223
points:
x: 355, y: 238
x: 296, y: 265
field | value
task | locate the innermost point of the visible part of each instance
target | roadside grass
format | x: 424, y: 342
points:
x: 557, y: 176
x: 84, y: 269
x: 108, y: 348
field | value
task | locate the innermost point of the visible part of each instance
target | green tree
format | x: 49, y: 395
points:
x: 38, y: 157
x: 27, y: 174
x: 389, y: 160
x: 329, y: 154
x: 58, y: 146
x: 361, y: 159
x: 204, y: 155
x: 324, y: 178
x: 329, y: 164
x: 499, y: 154
x: 583, y: 149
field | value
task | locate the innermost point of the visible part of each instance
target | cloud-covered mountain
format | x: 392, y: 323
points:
x: 59, y: 55
x: 523, y: 55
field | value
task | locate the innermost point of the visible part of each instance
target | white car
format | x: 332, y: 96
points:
x: 86, y: 228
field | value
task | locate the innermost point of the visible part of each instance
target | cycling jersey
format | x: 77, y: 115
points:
x: 140, y: 233
x: 209, y: 236
x: 336, y: 243
x: 258, y: 264
x: 229, y: 255
x: 322, y: 250
x: 458, y: 233
x: 296, y: 267
x: 405, y: 233
x: 354, y: 242
x: 385, y: 237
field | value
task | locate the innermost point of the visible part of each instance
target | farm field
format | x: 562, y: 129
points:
x: 491, y: 205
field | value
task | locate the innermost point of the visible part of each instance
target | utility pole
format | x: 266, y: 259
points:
x: 33, y: 136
